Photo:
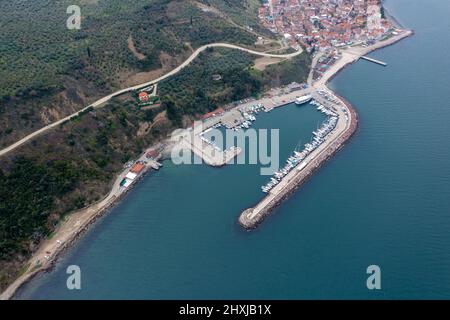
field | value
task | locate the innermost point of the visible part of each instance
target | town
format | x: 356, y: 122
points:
x: 320, y: 25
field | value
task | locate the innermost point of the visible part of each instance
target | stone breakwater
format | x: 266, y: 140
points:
x: 250, y: 221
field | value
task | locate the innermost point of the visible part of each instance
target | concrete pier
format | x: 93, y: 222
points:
x: 208, y: 153
x: 384, y: 64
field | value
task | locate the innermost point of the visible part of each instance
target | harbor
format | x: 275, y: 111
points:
x: 302, y: 164
x: 327, y: 140
x: 298, y: 159
x: 339, y: 125
x: 236, y: 117
x: 371, y: 204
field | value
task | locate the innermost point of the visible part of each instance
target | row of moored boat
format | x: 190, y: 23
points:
x: 298, y: 158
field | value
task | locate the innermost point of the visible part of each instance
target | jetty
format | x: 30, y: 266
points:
x: 384, y: 64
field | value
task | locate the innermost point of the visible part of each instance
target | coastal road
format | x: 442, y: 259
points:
x: 313, y: 66
x: 68, y: 231
x: 99, y: 103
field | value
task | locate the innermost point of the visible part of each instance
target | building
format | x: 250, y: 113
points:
x: 152, y: 154
x: 143, y: 96
x: 213, y: 113
x: 137, y: 168
x: 131, y: 176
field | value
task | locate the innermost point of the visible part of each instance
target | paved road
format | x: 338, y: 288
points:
x: 313, y: 66
x: 99, y: 103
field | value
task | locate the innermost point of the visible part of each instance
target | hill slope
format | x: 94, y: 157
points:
x: 48, y: 71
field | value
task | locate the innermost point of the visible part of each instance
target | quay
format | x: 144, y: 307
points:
x: 208, y: 153
x: 384, y: 64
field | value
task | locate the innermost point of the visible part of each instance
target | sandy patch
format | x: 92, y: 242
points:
x: 262, y: 63
x: 168, y: 63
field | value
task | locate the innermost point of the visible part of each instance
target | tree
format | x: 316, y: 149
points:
x: 173, y: 113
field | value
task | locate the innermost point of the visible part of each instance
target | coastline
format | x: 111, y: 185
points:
x: 92, y: 213
x: 70, y: 233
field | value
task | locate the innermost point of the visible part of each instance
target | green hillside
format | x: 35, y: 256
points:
x: 48, y: 71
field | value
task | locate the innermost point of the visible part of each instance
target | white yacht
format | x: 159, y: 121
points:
x: 303, y: 99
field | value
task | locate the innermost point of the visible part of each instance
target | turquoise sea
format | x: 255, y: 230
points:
x: 384, y: 200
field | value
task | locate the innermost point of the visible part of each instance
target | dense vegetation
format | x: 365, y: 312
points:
x: 26, y: 200
x: 65, y: 170
x: 48, y: 71
x: 193, y: 91
x: 286, y: 72
x: 37, y: 49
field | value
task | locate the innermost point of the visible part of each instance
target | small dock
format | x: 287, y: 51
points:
x: 155, y: 165
x: 384, y: 64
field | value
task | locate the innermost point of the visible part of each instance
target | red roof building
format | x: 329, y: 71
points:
x: 143, y: 96
x: 137, y: 168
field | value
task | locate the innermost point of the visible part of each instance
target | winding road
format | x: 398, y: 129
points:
x: 99, y: 103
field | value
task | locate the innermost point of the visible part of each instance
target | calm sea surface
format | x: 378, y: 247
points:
x: 384, y: 200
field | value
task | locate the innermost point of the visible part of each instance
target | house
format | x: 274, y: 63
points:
x: 143, y: 96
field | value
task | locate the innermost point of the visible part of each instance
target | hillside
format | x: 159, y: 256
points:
x: 48, y: 71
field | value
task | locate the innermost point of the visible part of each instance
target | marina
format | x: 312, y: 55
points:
x: 298, y: 158
x: 236, y: 118
x: 327, y: 140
